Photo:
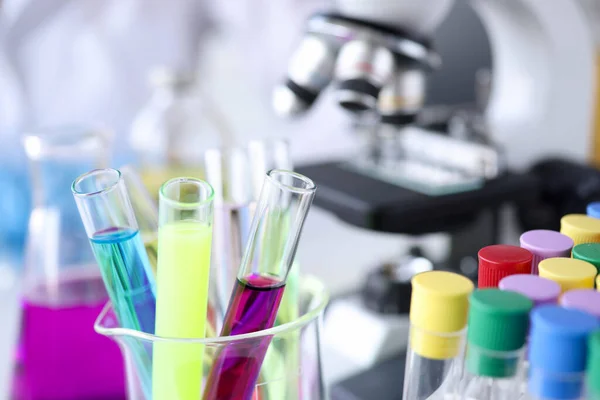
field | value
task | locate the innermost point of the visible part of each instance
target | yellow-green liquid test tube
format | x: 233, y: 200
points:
x: 184, y: 247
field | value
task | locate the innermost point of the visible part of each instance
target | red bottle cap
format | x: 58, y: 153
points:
x: 500, y: 260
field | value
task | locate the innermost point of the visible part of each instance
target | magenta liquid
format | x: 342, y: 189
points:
x: 63, y: 357
x: 253, y: 307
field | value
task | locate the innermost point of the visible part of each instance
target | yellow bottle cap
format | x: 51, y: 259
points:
x: 569, y: 273
x: 581, y: 228
x: 598, y: 283
x: 438, y: 313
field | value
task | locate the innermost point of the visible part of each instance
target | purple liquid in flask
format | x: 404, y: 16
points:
x: 255, y: 300
x: 63, y: 357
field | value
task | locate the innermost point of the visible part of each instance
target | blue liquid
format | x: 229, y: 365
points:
x: 127, y: 276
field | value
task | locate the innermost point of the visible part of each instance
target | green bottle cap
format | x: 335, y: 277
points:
x: 589, y: 252
x: 593, y: 367
x: 497, y: 329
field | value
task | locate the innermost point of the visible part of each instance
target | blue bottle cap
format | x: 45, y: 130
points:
x: 558, y: 349
x: 593, y: 209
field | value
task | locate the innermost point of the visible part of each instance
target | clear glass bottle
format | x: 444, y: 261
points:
x: 63, y: 289
x: 438, y: 317
x: 174, y: 128
x: 497, y: 331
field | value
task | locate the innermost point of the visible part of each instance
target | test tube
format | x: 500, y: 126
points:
x: 544, y: 244
x: 589, y: 252
x: 593, y: 367
x: 581, y: 228
x: 282, y: 208
x: 227, y: 171
x: 145, y: 210
x: 569, y: 273
x: 593, y: 209
x: 184, y: 240
x: 497, y: 331
x: 438, y: 318
x: 110, y: 224
x: 537, y: 289
x: 587, y: 300
x: 558, y: 351
x: 501, y: 260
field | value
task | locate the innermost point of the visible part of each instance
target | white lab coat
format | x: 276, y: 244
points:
x: 85, y: 62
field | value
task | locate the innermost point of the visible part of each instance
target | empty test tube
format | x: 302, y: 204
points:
x: 500, y: 260
x: 545, y: 244
x: 569, y: 273
x: 581, y: 228
x: 558, y: 352
x: 438, y: 318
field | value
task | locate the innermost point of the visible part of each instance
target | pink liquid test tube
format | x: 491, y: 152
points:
x: 537, y: 289
x: 587, y: 300
x: 546, y: 244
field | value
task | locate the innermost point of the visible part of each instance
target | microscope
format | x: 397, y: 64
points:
x: 373, y: 58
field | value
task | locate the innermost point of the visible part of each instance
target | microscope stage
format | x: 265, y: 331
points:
x: 373, y: 204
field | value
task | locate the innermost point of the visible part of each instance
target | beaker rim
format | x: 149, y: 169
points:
x: 94, y: 172
x: 311, y: 187
x: 308, y: 284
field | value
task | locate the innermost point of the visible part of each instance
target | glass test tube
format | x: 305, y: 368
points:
x: 227, y: 171
x: 558, y: 351
x: 544, y: 244
x: 438, y: 317
x: 110, y: 224
x: 593, y: 367
x: 145, y: 210
x: 185, y: 238
x: 500, y: 260
x: 569, y: 273
x: 581, y: 228
x: 497, y: 331
x: 280, y: 213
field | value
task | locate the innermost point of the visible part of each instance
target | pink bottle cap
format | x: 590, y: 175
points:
x: 546, y: 244
x: 537, y: 289
x: 587, y: 300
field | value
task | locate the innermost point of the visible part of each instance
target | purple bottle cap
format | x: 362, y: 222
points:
x: 544, y: 244
x: 537, y: 289
x: 587, y: 300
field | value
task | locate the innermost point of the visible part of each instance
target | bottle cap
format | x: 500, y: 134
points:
x: 593, y: 209
x: 598, y: 283
x: 438, y: 313
x: 558, y: 351
x: 546, y: 244
x: 580, y: 228
x: 593, y: 367
x: 500, y: 260
x: 589, y: 252
x: 587, y: 300
x: 568, y: 273
x: 497, y: 329
x: 537, y: 289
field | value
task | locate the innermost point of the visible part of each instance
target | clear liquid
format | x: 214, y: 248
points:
x: 128, y: 277
x: 253, y: 307
x: 63, y: 357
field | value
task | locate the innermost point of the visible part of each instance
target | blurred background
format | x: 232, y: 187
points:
x: 488, y: 130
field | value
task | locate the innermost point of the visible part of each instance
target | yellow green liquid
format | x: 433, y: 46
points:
x: 181, y: 304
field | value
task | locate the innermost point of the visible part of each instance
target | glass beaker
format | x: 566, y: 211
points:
x: 62, y: 357
x: 274, y: 379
